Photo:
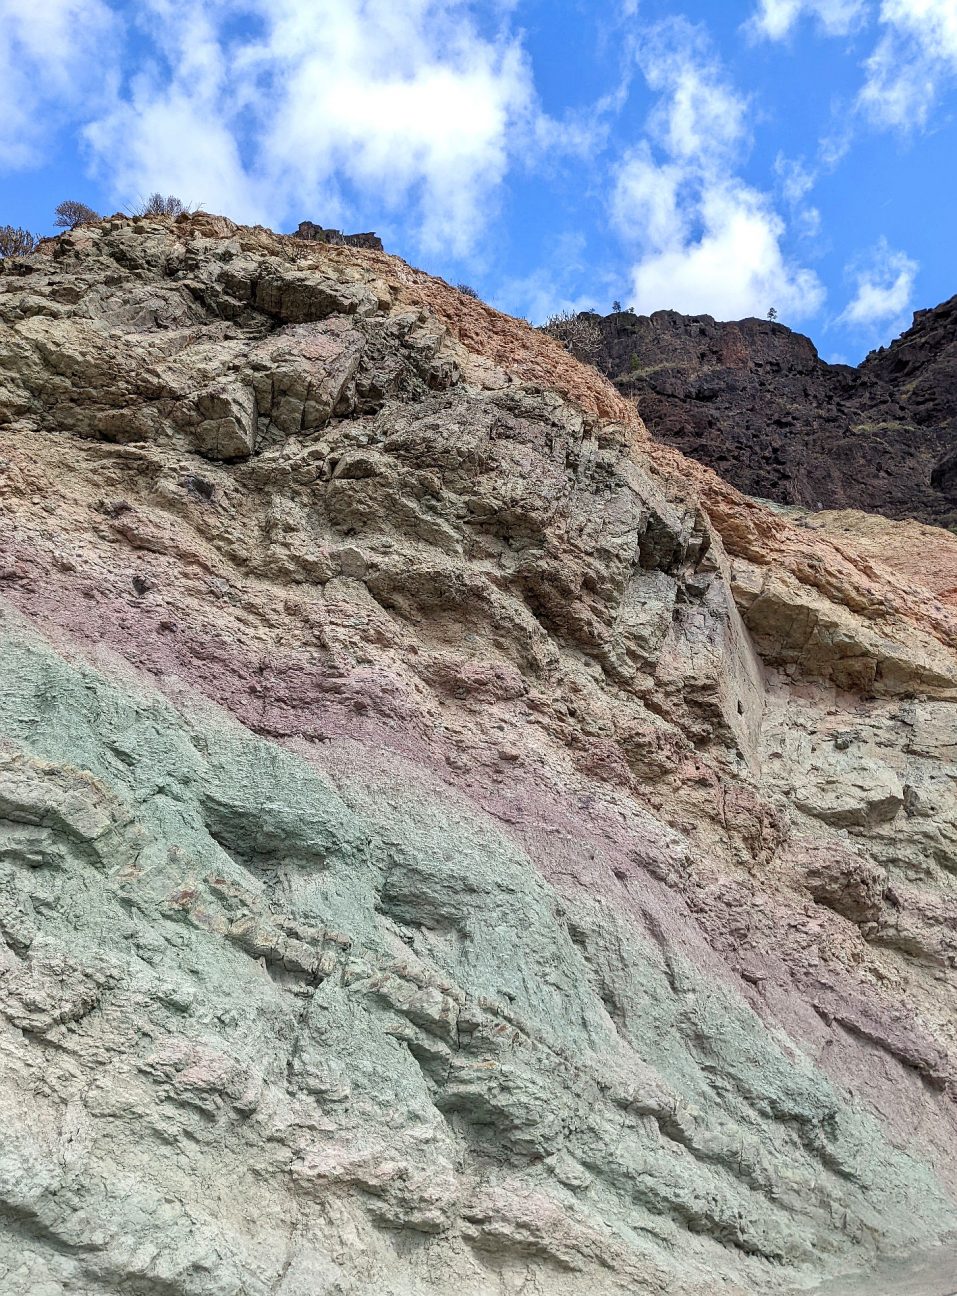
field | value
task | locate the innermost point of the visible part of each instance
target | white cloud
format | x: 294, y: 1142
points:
x: 409, y: 107
x: 402, y: 98
x: 698, y: 116
x: 933, y: 22
x: 916, y: 54
x: 774, y: 19
x: 796, y: 179
x: 884, y: 286
x: 735, y: 266
x: 175, y: 128
x: 809, y: 222
x: 54, y: 56
x: 835, y: 145
x: 707, y: 242
x: 646, y: 203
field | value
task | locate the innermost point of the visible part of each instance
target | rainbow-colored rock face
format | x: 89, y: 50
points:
x: 447, y: 842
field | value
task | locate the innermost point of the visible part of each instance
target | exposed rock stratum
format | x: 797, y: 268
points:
x: 449, y: 843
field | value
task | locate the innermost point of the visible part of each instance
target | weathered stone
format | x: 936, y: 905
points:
x: 316, y: 233
x: 847, y: 883
x: 227, y: 427
x: 448, y: 842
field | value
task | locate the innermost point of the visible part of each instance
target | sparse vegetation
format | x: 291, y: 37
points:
x: 580, y: 334
x: 616, y: 307
x: 468, y: 291
x: 16, y: 241
x: 70, y: 214
x: 157, y: 205
x: 772, y: 315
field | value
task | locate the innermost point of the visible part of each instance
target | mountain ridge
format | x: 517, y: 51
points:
x: 753, y: 400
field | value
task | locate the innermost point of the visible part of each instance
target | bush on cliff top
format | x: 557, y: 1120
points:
x: 16, y: 241
x: 579, y: 334
x: 70, y: 214
x: 157, y: 205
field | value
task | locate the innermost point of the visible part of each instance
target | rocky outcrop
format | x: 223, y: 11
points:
x: 448, y: 841
x: 316, y: 233
x: 754, y: 401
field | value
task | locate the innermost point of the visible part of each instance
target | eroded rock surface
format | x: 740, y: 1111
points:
x: 448, y: 842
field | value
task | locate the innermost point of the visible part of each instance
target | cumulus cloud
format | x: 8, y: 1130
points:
x: 884, y: 286
x: 176, y: 126
x: 774, y: 19
x: 54, y: 57
x: 406, y: 98
x: 796, y: 180
x: 648, y: 199
x: 934, y: 22
x: 273, y: 109
x: 707, y: 242
x: 733, y: 267
x: 698, y: 116
x: 795, y: 177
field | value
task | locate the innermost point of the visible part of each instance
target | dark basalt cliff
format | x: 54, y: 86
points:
x: 754, y: 401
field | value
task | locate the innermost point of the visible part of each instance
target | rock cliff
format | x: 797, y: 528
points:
x: 755, y: 402
x: 449, y: 843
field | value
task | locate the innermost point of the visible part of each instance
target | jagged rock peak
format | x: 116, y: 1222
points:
x: 448, y: 841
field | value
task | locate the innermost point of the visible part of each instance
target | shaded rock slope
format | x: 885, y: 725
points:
x: 755, y: 402
x: 449, y: 843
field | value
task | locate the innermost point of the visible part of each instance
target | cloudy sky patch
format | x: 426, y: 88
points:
x: 667, y: 153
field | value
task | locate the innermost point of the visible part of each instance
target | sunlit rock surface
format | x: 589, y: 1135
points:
x: 448, y: 842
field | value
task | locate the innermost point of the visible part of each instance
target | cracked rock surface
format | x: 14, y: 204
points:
x: 449, y: 843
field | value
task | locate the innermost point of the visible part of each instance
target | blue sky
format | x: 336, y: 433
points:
x: 721, y: 156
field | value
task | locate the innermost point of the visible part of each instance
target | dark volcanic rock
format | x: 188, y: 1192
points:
x: 754, y: 401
